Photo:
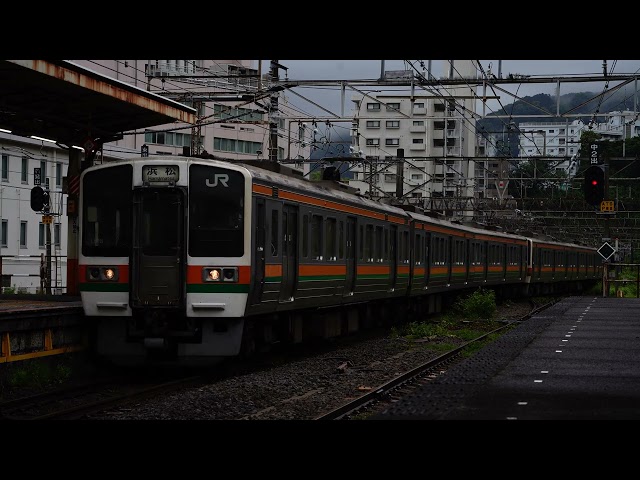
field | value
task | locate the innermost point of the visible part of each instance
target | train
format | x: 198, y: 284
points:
x: 192, y: 260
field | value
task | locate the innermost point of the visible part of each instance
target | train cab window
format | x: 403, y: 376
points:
x: 330, y: 244
x: 107, y: 212
x: 305, y: 236
x: 316, y: 237
x: 275, y: 225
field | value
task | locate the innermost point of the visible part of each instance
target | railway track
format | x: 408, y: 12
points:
x: 78, y: 401
x: 376, y: 400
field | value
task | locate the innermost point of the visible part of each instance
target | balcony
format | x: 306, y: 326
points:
x: 419, y: 110
x: 418, y: 129
x: 417, y: 146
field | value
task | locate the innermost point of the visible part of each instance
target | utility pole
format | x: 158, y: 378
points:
x: 400, y: 173
x: 273, y: 114
x: 48, y: 243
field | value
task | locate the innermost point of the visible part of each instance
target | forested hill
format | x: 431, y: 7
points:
x: 576, y: 103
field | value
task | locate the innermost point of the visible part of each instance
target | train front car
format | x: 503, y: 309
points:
x: 164, y: 259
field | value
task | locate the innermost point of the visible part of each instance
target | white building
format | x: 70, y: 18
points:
x: 233, y: 125
x: 24, y: 234
x: 435, y: 132
x: 235, y: 128
x: 562, y: 139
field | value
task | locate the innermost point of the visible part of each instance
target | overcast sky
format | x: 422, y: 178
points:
x: 330, y: 97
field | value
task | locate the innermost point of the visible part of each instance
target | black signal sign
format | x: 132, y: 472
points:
x: 593, y: 187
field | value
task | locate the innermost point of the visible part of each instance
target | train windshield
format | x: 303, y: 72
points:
x: 106, y: 212
x: 216, y: 212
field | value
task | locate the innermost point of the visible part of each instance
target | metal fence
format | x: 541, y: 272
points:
x: 611, y: 274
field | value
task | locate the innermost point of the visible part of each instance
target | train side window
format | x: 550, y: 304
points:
x: 341, y: 239
x: 316, y: 237
x: 361, y: 242
x: 275, y: 225
x: 330, y: 230
x: 378, y: 245
x: 385, y: 245
x: 418, y: 249
x: 368, y: 243
x: 305, y: 236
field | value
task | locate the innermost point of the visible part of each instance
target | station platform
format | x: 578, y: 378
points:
x: 33, y: 326
x: 577, y: 360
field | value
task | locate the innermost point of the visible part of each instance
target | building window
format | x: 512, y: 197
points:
x: 41, y: 235
x: 237, y: 146
x: 393, y: 123
x: 418, y: 123
x: 418, y: 140
x: 373, y: 123
x: 58, y: 174
x: 393, y: 106
x: 373, y: 107
x: 5, y: 167
x: 392, y: 142
x: 416, y: 176
x: 25, y: 168
x: 373, y: 141
x: 5, y: 228
x: 438, y: 107
x: 56, y: 234
x: 418, y: 105
x: 23, y: 234
x: 389, y: 177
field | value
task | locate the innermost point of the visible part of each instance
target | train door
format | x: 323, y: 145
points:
x: 157, y: 258
x: 467, y: 259
x: 484, y: 256
x: 393, y: 256
x: 289, y: 252
x: 427, y: 257
x: 350, y: 257
x: 449, y: 257
x: 258, y: 252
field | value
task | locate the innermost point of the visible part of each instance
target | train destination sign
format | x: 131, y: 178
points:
x: 160, y: 173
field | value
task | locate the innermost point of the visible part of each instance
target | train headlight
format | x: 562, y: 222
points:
x: 102, y: 274
x: 220, y: 274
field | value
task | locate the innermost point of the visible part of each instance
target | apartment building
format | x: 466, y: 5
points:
x: 434, y: 133
x: 562, y: 139
x: 232, y: 125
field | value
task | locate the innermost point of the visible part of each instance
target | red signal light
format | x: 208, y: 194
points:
x: 594, y: 182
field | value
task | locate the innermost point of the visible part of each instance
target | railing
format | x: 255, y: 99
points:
x: 48, y: 270
x: 611, y: 271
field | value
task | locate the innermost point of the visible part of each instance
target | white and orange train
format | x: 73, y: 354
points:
x: 191, y: 260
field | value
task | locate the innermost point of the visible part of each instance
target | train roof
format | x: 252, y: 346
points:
x: 269, y: 173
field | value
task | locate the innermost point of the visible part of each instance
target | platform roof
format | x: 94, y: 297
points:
x: 62, y: 101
